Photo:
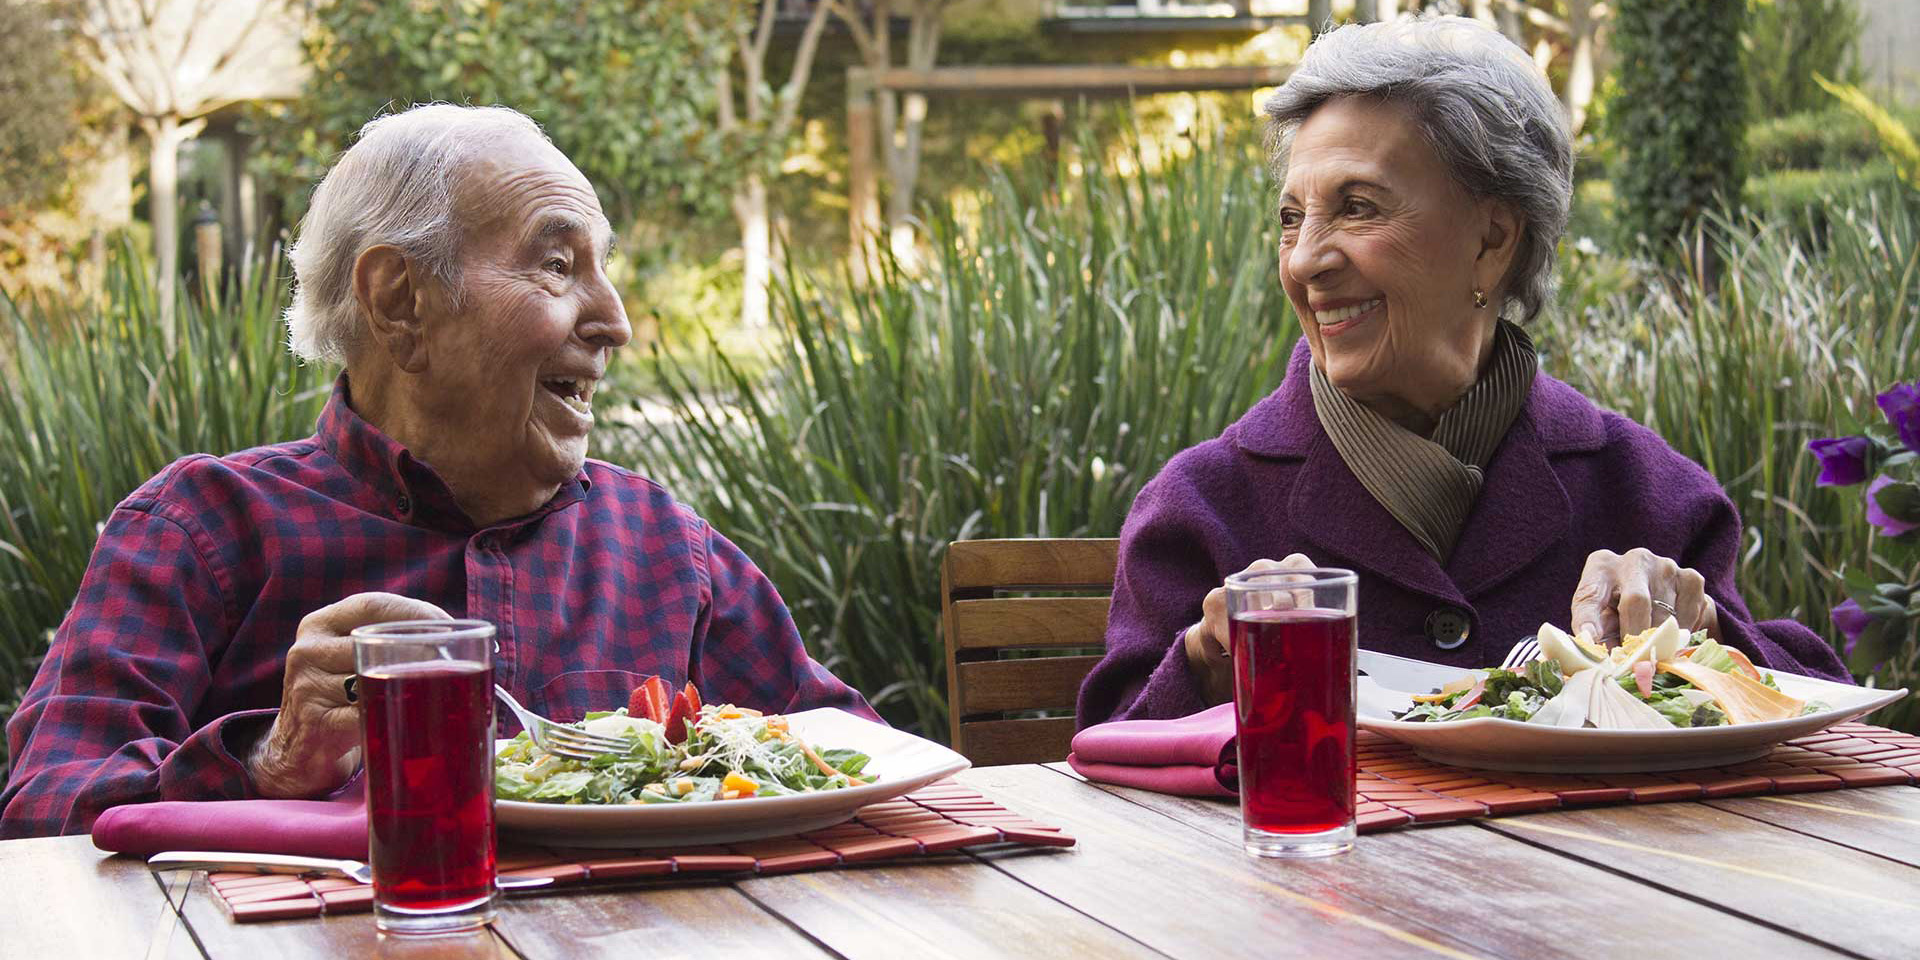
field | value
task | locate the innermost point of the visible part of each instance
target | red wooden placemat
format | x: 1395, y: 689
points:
x: 1397, y: 788
x: 935, y: 819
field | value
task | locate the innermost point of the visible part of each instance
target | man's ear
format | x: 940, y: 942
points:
x: 1499, y: 245
x: 387, y: 289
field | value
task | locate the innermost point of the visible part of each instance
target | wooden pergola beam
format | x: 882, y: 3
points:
x: 1072, y: 81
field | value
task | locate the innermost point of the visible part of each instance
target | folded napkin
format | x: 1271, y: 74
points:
x: 1192, y: 756
x: 335, y: 827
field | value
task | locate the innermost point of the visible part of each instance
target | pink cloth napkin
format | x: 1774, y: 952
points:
x: 1193, y: 756
x: 335, y: 827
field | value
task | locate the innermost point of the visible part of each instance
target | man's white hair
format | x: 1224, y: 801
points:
x: 394, y: 186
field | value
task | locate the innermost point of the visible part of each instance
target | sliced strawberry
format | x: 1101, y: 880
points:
x: 693, y: 700
x: 651, y: 699
x: 677, y: 717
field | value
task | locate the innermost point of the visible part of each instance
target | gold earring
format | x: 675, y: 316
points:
x: 1479, y: 297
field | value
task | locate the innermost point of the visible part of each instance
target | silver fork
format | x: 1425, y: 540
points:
x: 558, y: 738
x: 1523, y: 653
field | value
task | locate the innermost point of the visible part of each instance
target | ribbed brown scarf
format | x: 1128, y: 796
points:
x: 1429, y: 485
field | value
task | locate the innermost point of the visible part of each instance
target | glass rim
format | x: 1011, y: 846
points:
x: 1293, y: 578
x: 422, y: 631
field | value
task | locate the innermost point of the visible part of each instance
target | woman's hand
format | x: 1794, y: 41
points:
x: 1622, y: 594
x: 1208, y: 649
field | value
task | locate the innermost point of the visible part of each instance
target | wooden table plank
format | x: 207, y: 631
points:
x: 1880, y: 820
x: 63, y: 898
x: 710, y: 920
x: 1503, y: 896
x: 947, y: 908
x: 1186, y: 893
x: 1823, y: 891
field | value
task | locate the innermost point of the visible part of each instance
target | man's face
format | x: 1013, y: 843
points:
x: 516, y: 353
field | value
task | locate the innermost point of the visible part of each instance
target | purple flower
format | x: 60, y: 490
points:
x: 1901, y: 404
x: 1890, y: 525
x: 1843, y: 460
x: 1851, y: 620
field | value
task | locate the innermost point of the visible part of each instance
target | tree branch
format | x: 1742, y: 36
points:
x: 802, y: 69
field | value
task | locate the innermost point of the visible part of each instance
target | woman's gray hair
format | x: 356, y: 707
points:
x: 1480, y: 102
x: 394, y: 186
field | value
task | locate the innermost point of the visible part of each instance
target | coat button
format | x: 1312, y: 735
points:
x: 1448, y: 627
x: 404, y: 504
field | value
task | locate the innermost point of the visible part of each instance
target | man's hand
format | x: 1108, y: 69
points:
x: 1618, y: 592
x: 314, y: 743
x: 1206, y: 642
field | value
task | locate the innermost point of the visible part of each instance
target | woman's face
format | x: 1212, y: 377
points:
x: 1380, y: 252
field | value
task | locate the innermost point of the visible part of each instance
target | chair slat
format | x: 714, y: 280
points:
x: 972, y: 564
x: 1030, y: 622
x: 1039, y: 683
x: 991, y: 743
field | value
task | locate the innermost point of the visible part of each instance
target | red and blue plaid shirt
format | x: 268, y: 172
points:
x: 172, y: 657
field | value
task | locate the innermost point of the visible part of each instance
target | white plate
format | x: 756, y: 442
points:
x: 1496, y: 744
x: 902, y: 762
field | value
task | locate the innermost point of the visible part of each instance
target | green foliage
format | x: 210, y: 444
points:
x: 1896, y: 141
x: 43, y: 102
x: 1788, y: 42
x: 1806, y: 200
x: 93, y: 404
x: 625, y: 88
x: 1678, y: 114
x: 1830, y: 137
x: 1046, y: 363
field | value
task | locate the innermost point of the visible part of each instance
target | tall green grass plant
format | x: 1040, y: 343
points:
x: 94, y: 403
x: 1041, y: 366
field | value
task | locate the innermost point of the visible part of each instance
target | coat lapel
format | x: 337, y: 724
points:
x: 1522, y: 511
x: 1349, y: 527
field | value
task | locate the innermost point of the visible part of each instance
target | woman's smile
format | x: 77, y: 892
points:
x: 1341, y: 316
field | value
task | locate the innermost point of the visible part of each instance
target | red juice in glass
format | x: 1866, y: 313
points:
x: 429, y: 761
x: 1292, y: 639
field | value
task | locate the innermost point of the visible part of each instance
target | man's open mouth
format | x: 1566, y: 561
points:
x: 575, y: 392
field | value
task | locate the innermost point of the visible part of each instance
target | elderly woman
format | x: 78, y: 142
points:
x: 453, y: 262
x: 1427, y: 178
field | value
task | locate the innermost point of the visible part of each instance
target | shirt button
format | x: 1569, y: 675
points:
x: 1448, y: 627
x: 404, y: 504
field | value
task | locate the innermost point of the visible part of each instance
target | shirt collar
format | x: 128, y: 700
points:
x: 406, y: 488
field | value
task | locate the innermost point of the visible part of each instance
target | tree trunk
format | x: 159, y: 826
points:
x: 1366, y: 11
x: 863, y: 187
x: 1580, y: 69
x: 163, y: 178
x: 756, y: 251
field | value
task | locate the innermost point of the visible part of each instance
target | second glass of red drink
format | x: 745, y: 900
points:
x: 1293, y: 639
x: 426, y: 701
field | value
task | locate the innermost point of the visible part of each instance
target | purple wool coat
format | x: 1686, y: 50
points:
x: 1568, y: 479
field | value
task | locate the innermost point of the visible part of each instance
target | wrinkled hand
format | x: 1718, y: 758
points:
x: 314, y: 743
x: 1616, y: 595
x: 1207, y: 642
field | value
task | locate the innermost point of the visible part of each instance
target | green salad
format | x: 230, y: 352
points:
x: 723, y: 753
x: 1659, y: 679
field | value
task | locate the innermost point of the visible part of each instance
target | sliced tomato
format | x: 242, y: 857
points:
x: 1740, y: 659
x: 677, y: 717
x: 651, y: 699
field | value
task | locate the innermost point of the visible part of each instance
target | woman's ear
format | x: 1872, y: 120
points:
x: 1499, y: 246
x: 384, y: 285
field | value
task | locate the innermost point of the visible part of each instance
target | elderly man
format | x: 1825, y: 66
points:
x: 453, y: 262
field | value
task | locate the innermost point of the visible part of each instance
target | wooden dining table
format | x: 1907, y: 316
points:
x: 1833, y: 874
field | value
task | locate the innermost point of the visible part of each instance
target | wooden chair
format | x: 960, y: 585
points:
x: 1014, y: 663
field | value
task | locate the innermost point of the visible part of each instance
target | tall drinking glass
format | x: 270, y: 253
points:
x: 426, y: 708
x: 1293, y: 639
